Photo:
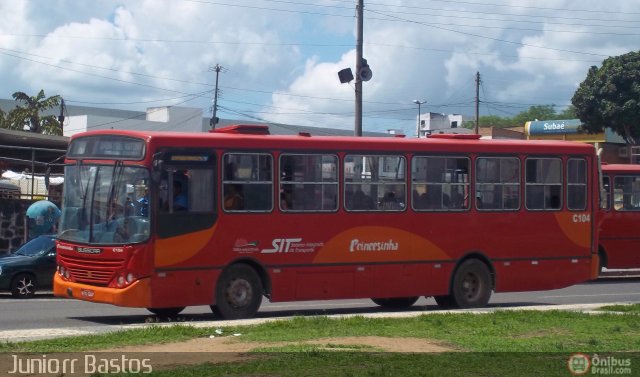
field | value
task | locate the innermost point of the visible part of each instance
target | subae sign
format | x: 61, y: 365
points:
x: 547, y: 127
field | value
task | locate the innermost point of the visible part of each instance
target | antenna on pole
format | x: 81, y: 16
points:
x: 214, y: 109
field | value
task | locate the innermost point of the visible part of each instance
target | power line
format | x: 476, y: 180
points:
x: 485, y: 37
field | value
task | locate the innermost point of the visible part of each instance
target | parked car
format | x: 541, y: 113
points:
x: 29, y: 268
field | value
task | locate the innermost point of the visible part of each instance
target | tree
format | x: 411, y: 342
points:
x: 610, y: 97
x: 29, y: 115
x: 568, y: 113
x: 539, y: 112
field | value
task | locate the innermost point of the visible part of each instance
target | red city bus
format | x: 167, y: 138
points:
x: 168, y: 220
x: 619, y: 234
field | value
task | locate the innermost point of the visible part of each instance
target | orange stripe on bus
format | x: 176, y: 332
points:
x: 576, y: 227
x: 378, y: 244
x: 171, y: 251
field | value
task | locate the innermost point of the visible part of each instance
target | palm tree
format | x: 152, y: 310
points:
x: 29, y: 115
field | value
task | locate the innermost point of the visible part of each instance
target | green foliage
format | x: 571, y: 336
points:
x: 610, y: 97
x: 568, y: 113
x: 539, y: 112
x: 28, y: 115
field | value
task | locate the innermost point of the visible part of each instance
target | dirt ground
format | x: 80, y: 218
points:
x: 233, y: 348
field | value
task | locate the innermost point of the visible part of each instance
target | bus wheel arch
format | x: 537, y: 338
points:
x: 396, y: 302
x: 471, y: 283
x: 239, y: 291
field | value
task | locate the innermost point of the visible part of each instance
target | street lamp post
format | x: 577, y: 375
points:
x: 419, y: 103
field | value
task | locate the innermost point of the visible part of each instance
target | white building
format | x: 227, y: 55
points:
x: 429, y: 123
x: 169, y: 118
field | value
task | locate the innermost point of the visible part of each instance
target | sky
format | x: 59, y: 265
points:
x: 279, y: 59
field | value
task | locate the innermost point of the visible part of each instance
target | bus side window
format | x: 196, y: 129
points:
x: 543, y: 185
x: 606, y: 193
x: 247, y: 183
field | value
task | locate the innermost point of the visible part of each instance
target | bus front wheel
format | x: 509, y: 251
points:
x: 238, y: 293
x: 395, y: 302
x: 471, y: 286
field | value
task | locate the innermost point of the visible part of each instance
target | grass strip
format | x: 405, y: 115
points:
x: 499, y: 331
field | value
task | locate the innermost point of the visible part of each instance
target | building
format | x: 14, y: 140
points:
x: 439, y: 123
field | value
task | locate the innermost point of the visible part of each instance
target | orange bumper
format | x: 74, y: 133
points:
x: 136, y: 295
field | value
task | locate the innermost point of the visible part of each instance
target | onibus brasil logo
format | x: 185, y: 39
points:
x: 579, y: 364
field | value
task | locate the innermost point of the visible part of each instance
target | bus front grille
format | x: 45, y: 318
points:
x: 92, y: 271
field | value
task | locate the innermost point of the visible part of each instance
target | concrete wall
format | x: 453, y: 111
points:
x: 12, y: 223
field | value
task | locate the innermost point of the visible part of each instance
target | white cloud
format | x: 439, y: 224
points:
x: 416, y: 50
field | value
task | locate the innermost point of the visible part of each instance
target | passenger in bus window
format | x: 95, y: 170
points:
x: 180, y: 202
x: 143, y: 204
x: 232, y: 198
x: 284, y: 201
x: 389, y: 202
x: 361, y: 201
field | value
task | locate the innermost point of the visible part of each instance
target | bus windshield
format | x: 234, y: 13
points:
x: 105, y: 204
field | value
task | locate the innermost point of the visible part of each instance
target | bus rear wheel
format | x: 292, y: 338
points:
x: 395, y: 302
x: 166, y: 312
x: 238, y: 293
x: 471, y: 287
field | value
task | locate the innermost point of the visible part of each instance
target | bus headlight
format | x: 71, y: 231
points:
x: 63, y: 272
x: 120, y: 281
x: 130, y: 278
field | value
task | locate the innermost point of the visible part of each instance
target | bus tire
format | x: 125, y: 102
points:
x: 166, y: 312
x: 238, y: 293
x: 24, y: 285
x: 395, y: 302
x: 471, y: 286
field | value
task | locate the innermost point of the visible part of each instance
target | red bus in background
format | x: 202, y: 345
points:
x: 168, y: 220
x: 620, y: 229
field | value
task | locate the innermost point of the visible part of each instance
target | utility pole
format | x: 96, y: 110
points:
x: 359, y: 38
x: 477, y: 100
x: 214, y: 120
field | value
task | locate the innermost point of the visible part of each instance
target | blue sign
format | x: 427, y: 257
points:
x: 550, y: 127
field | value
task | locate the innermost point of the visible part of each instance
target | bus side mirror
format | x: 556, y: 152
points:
x: 158, y: 165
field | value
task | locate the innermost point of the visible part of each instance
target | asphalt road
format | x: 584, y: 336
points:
x: 48, y: 312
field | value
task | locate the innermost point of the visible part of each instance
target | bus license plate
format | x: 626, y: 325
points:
x: 88, y: 293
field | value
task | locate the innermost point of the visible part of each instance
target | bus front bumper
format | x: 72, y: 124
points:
x: 138, y: 294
